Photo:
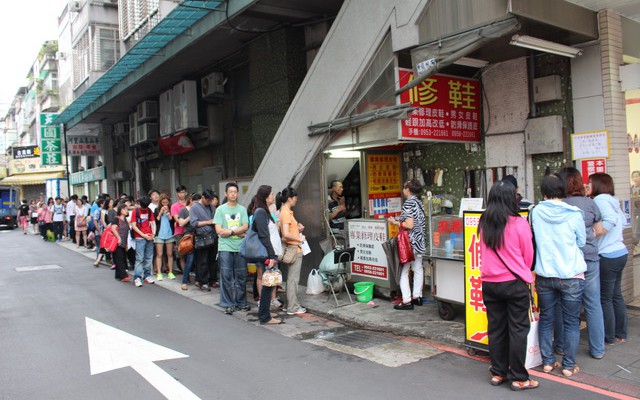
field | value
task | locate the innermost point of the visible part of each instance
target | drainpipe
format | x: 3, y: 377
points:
x: 533, y: 113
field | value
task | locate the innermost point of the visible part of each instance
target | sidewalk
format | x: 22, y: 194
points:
x: 618, y: 371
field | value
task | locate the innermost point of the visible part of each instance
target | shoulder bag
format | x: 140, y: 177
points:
x: 108, y: 240
x: 202, y: 242
x: 252, y: 249
x: 186, y: 245
x: 405, y: 252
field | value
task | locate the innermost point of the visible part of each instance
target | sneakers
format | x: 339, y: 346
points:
x: 160, y: 276
x: 113, y: 266
x: 205, y: 288
x: 138, y: 282
x: 245, y: 307
x: 228, y: 310
x: 170, y: 275
x: 300, y: 310
x: 276, y: 303
x: 127, y: 279
x: 149, y: 280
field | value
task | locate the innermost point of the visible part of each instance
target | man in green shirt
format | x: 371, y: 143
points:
x: 231, y: 221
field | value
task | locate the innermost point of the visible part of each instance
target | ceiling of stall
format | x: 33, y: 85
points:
x: 626, y: 8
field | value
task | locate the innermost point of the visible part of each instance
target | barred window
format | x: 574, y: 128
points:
x: 137, y: 17
x: 81, y: 61
x: 106, y: 48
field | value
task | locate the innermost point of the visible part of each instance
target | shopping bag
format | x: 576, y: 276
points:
x: 314, y: 282
x: 271, y: 277
x: 405, y: 252
x: 534, y: 357
x: 108, y: 240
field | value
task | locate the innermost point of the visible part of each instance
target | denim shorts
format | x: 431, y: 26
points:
x: 163, y: 241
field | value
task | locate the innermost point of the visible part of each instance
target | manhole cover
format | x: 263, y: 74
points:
x: 37, y: 267
x: 360, y: 339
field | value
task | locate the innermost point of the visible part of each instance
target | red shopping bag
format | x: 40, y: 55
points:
x: 405, y: 252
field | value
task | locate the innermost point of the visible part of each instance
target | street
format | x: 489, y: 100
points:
x: 48, y: 311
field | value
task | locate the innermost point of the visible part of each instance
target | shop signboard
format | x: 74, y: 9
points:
x: 25, y: 152
x: 385, y: 185
x: 449, y: 108
x: 30, y: 165
x: 50, y: 140
x: 593, y: 144
x: 589, y: 167
x: 367, y: 237
x: 83, y: 145
x: 90, y: 175
x: 476, y: 327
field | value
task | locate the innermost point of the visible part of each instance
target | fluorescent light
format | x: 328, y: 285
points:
x: 532, y: 43
x: 344, y: 154
x: 471, y: 62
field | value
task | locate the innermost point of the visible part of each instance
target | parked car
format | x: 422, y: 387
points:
x: 9, y: 203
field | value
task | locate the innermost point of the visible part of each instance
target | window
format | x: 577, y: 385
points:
x: 106, y: 48
x: 81, y: 59
x: 137, y: 17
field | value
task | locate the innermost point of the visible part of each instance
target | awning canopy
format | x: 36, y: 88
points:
x: 31, y: 179
x: 181, y: 18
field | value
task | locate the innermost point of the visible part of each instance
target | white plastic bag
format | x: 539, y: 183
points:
x: 314, y: 282
x: 534, y: 357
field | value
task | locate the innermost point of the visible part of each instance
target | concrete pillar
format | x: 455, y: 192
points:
x: 615, y: 122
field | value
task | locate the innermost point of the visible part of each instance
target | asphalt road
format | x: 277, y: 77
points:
x: 44, y: 352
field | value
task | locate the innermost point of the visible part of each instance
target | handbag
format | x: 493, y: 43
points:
x: 186, y: 245
x: 252, y: 249
x: 271, y: 277
x: 314, y: 282
x: 290, y: 253
x: 202, y: 242
x: 108, y: 240
x: 81, y: 222
x: 405, y: 252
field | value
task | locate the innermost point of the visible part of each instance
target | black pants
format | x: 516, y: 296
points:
x: 72, y: 228
x: 264, y: 306
x: 44, y: 228
x: 206, y: 270
x: 120, y: 260
x: 508, y: 314
x: 131, y: 257
x: 57, y: 229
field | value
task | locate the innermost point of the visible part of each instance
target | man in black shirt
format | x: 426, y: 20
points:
x: 336, y: 208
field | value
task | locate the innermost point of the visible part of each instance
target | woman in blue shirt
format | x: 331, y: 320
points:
x: 164, y: 236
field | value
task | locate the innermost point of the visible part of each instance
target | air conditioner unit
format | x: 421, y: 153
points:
x: 147, y: 111
x: 185, y: 105
x: 147, y: 132
x: 212, y: 84
x: 121, y: 128
x: 133, y: 129
x: 61, y: 55
x: 75, y: 5
x: 166, y: 113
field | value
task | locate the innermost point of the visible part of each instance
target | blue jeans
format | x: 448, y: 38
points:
x: 568, y: 292
x: 613, y: 307
x: 233, y: 279
x: 188, y: 263
x: 592, y: 312
x: 144, y: 256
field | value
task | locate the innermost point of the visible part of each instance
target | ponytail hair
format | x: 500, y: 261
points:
x: 285, y: 195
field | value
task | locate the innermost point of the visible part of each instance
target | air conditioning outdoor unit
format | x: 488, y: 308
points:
x: 185, y: 105
x: 166, y: 113
x: 121, y: 128
x: 212, y: 84
x: 147, y: 111
x: 133, y: 129
x: 147, y: 132
x: 75, y: 5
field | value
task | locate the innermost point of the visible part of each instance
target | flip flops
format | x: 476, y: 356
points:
x: 570, y: 372
x: 524, y: 385
x: 547, y: 368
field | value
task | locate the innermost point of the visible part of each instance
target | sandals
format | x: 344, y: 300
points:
x: 273, y: 315
x: 524, y: 385
x: 498, y: 380
x: 184, y: 286
x: 547, y: 368
x: 570, y: 372
x: 272, y: 321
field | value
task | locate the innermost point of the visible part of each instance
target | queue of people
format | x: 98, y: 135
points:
x: 577, y: 254
x: 149, y: 229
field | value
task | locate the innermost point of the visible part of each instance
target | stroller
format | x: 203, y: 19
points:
x: 334, y: 266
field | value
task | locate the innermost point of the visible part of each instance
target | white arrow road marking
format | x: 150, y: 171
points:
x: 111, y: 348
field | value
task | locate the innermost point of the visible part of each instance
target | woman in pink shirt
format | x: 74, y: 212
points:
x: 44, y: 220
x: 507, y: 253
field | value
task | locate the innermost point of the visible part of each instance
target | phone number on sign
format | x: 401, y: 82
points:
x: 370, y: 270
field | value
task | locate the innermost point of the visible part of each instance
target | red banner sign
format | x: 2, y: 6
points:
x: 176, y: 144
x: 449, y: 108
x: 589, y: 167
